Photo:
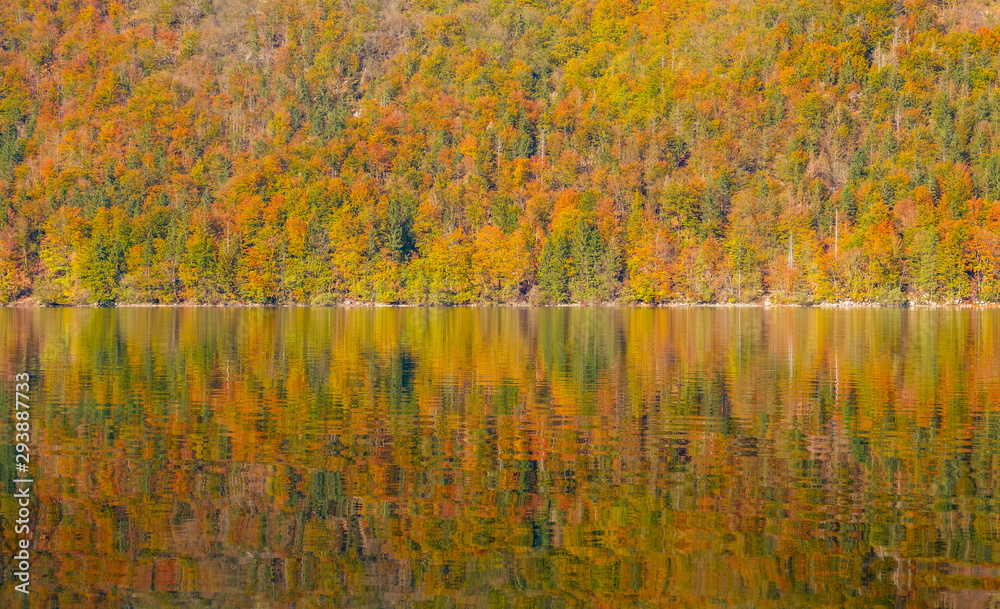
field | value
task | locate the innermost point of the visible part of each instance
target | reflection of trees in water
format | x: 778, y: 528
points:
x: 386, y: 456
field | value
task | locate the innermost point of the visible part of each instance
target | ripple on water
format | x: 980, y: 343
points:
x: 515, y: 457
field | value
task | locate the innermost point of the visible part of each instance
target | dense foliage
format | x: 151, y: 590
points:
x: 435, y: 151
x: 509, y: 458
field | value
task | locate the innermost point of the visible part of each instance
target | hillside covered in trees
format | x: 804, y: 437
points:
x: 434, y: 151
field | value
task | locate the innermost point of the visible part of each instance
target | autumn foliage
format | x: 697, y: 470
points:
x: 448, y: 152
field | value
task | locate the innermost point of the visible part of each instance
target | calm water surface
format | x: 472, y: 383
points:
x: 492, y: 457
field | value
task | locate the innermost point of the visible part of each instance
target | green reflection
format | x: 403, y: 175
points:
x: 505, y: 457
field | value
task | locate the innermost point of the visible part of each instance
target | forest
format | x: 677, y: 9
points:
x: 489, y: 151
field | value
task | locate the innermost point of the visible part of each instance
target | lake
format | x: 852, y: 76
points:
x: 507, y: 457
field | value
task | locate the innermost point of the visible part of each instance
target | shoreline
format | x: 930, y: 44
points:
x: 349, y: 304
